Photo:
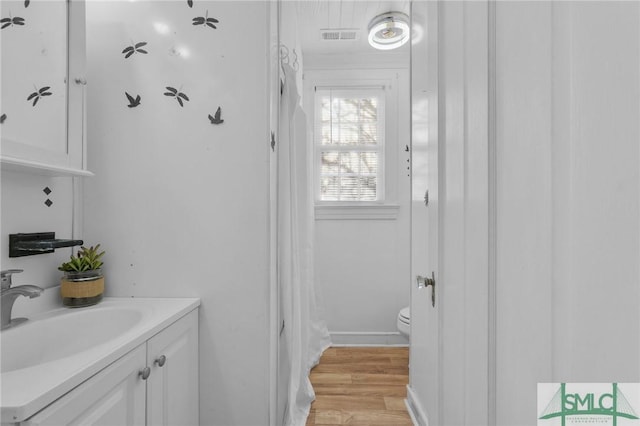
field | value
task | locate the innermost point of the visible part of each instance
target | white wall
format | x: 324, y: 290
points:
x: 362, y: 265
x: 362, y: 268
x: 180, y: 204
x: 597, y: 131
x: 23, y: 211
x: 524, y: 280
x: 567, y: 198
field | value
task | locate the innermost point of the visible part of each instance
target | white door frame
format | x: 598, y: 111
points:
x: 492, y: 226
x: 274, y: 120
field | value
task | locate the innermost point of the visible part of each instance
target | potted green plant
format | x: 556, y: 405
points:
x: 83, y: 282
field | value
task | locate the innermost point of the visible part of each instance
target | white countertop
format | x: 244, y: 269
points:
x: 26, y: 391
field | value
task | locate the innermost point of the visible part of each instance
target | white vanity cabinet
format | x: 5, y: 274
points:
x: 124, y: 394
x: 43, y: 58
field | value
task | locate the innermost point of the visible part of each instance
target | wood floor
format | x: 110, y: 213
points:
x: 361, y: 386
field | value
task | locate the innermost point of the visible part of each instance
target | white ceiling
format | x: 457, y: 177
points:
x: 314, y: 15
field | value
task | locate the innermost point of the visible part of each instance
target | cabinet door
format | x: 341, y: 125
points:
x: 114, y: 396
x: 172, y: 388
x: 43, y: 86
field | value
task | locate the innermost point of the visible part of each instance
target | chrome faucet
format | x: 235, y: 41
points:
x: 9, y: 295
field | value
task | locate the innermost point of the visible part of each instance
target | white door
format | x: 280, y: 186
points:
x: 449, y: 341
x: 423, y: 368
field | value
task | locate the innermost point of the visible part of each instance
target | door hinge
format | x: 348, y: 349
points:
x: 426, y: 198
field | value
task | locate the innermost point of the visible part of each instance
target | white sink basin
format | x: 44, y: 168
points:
x: 55, y: 351
x: 64, y: 332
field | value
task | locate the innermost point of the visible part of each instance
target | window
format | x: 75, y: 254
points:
x: 349, y: 145
x: 359, y: 136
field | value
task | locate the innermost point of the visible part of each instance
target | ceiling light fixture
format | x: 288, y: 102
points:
x: 389, y: 30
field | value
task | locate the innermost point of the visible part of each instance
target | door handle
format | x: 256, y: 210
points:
x: 426, y: 282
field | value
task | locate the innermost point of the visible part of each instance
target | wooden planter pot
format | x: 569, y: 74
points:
x: 82, y: 288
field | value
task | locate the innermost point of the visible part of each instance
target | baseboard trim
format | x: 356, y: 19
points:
x: 418, y: 414
x: 367, y: 338
x: 414, y: 421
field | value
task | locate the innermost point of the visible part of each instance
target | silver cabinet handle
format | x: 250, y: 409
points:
x: 144, y: 373
x: 160, y: 360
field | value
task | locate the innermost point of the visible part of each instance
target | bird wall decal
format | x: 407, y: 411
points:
x: 216, y: 118
x: 133, y: 102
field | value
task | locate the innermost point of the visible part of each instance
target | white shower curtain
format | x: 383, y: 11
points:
x: 305, y: 333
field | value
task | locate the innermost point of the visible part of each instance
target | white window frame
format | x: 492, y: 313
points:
x: 387, y: 207
x: 379, y: 148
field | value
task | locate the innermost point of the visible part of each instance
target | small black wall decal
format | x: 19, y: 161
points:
x: 205, y: 20
x: 44, y: 91
x: 6, y: 22
x: 47, y: 191
x: 133, y: 102
x: 176, y: 94
x: 2, y: 118
x: 216, y: 118
x: 136, y: 48
x: 190, y: 3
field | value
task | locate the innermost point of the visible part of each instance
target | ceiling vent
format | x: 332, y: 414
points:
x: 339, y: 34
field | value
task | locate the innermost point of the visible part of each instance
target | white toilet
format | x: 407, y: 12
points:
x: 404, y: 321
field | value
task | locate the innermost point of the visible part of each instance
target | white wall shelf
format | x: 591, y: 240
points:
x: 34, y: 167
